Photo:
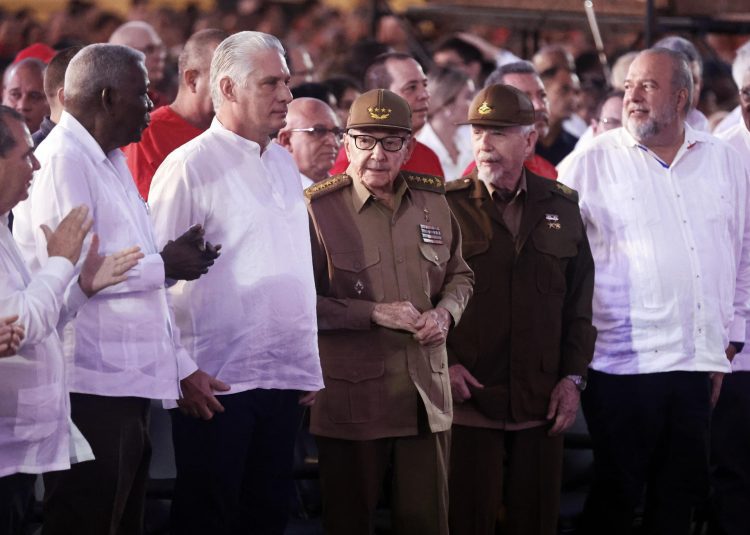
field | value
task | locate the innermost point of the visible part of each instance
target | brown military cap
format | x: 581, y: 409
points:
x: 380, y: 108
x: 500, y: 105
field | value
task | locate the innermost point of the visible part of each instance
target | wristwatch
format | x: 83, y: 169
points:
x: 577, y: 380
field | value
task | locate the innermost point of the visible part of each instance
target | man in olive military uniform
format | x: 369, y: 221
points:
x: 518, y: 359
x: 391, y: 282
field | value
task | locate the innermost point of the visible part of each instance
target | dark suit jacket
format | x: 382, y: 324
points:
x: 528, y: 323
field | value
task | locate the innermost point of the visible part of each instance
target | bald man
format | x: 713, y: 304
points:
x: 312, y: 136
x: 24, y: 91
x: 142, y: 37
x: 188, y: 116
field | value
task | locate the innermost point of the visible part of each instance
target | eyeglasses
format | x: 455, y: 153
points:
x: 610, y: 123
x: 319, y: 132
x: 745, y: 94
x: 389, y: 143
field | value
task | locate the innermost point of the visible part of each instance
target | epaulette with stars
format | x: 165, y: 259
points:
x: 565, y: 192
x: 458, y: 185
x: 328, y: 185
x: 426, y: 182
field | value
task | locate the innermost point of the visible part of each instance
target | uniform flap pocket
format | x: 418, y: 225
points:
x: 473, y: 248
x: 356, y: 261
x: 555, y: 242
x: 356, y: 371
x: 435, y: 254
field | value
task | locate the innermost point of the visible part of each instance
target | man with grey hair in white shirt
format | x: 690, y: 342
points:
x: 666, y: 214
x: 250, y: 325
x: 122, y: 344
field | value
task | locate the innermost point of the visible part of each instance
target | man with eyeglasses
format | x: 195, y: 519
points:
x: 730, y: 433
x: 391, y: 282
x: 142, y: 36
x: 312, y: 136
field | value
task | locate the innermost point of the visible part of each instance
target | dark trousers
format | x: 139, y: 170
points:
x: 651, y: 432
x: 532, y: 483
x: 105, y: 496
x: 16, y: 498
x: 730, y: 457
x: 352, y: 474
x: 235, y: 471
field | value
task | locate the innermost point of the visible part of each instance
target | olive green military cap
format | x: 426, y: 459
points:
x: 380, y: 108
x: 500, y: 105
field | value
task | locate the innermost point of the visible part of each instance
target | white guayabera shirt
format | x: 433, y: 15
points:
x: 36, y: 433
x: 739, y: 137
x: 251, y: 321
x: 123, y: 341
x: 671, y: 245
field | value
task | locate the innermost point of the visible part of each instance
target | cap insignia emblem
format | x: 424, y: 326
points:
x: 484, y: 109
x: 379, y: 114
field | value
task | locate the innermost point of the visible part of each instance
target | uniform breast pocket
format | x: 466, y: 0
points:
x: 434, y: 260
x: 358, y: 274
x: 555, y: 250
x: 38, y: 412
x: 354, y: 391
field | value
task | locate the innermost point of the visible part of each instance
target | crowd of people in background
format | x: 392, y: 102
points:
x: 436, y: 241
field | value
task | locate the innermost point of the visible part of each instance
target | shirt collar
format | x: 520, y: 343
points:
x: 360, y: 194
x: 521, y: 190
x: 84, y: 137
x: 692, y: 137
x: 238, y: 140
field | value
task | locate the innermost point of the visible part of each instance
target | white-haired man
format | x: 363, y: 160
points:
x: 251, y: 323
x: 121, y: 345
x: 665, y: 209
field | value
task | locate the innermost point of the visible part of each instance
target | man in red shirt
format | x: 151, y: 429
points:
x: 402, y: 74
x: 189, y: 115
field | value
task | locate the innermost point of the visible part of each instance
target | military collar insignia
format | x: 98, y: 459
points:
x: 484, y: 109
x: 329, y: 185
x: 562, y: 187
x: 379, y: 114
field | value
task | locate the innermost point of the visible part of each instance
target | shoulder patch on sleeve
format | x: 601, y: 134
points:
x: 427, y: 182
x: 329, y: 185
x: 458, y: 185
x: 565, y: 192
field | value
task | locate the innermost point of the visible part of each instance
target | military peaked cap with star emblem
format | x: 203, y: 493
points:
x: 380, y: 108
x: 500, y: 105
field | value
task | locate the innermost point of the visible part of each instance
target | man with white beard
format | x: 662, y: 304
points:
x: 665, y: 209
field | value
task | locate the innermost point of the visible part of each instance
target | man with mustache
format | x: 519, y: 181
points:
x: 666, y: 213
x: 391, y: 282
x: 250, y: 325
x: 121, y: 343
x: 518, y: 358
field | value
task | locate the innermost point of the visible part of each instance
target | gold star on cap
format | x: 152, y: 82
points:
x: 379, y: 114
x: 484, y: 109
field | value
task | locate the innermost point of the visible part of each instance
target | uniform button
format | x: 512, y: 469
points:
x: 699, y: 306
x: 400, y: 260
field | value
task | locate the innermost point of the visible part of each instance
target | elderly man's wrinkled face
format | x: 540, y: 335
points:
x: 132, y: 105
x: 313, y: 137
x: 153, y: 48
x: 499, y: 152
x: 376, y: 155
x: 651, y: 105
x: 25, y: 94
x: 17, y: 166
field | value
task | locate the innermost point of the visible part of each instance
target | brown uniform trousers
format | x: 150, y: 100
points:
x: 387, y: 399
x: 527, y: 326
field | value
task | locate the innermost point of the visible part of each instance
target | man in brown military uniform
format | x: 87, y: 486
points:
x: 391, y: 281
x: 518, y: 359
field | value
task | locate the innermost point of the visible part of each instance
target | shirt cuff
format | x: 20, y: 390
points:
x: 453, y: 309
x: 359, y: 314
x: 152, y: 270
x: 737, y: 328
x: 61, y: 269
x: 74, y: 297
